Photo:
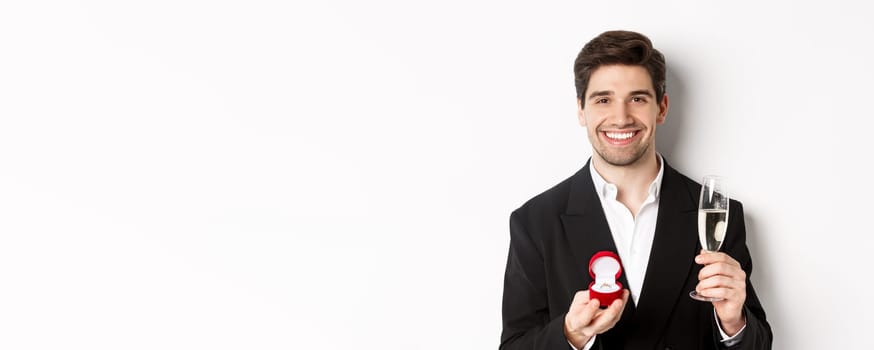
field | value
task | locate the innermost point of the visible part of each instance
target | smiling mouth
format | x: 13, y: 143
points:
x: 620, y: 138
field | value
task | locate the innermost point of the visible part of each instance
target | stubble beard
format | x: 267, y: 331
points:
x: 622, y: 158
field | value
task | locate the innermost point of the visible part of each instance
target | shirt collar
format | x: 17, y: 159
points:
x: 608, y: 190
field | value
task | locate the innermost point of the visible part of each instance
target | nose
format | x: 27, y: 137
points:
x: 620, y: 115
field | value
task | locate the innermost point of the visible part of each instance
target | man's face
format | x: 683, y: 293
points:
x: 620, y: 113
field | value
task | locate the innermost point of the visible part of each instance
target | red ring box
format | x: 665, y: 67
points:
x: 605, y: 268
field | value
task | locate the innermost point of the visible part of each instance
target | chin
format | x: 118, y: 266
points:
x: 622, y: 160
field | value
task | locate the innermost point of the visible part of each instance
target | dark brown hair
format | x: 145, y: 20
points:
x: 619, y: 47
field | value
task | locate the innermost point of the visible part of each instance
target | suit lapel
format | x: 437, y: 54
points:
x: 671, y: 258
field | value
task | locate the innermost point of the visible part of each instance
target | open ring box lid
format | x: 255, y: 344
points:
x: 605, y: 268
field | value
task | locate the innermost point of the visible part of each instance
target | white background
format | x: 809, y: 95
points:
x: 274, y: 175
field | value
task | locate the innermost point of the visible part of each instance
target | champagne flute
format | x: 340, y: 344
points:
x: 712, y: 219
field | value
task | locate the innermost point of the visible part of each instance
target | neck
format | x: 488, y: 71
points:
x: 631, y: 180
x: 643, y: 171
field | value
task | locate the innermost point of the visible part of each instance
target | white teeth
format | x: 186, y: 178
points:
x: 620, y: 135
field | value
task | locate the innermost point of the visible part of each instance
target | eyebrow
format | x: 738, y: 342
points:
x: 610, y: 93
x: 600, y: 93
x: 641, y: 92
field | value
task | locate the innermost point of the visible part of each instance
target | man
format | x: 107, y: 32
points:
x: 627, y: 200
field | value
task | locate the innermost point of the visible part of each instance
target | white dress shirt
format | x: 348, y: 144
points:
x: 633, y: 235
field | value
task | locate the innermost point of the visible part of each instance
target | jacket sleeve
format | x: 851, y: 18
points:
x: 757, y: 334
x: 525, y: 311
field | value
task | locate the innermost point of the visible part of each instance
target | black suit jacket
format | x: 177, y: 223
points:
x: 552, y: 238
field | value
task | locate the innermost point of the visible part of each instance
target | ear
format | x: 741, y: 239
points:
x: 663, y: 109
x: 580, y: 114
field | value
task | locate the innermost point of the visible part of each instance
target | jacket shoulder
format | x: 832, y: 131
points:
x: 552, y: 201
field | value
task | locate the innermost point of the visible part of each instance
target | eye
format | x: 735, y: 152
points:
x: 639, y: 99
x: 602, y: 100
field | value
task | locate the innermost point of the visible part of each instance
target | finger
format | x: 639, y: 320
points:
x: 608, y: 317
x: 720, y: 282
x: 614, y: 311
x: 580, y: 316
x: 706, y: 258
x: 617, y: 305
x: 729, y: 295
x: 712, y: 292
x: 580, y: 298
x: 589, y: 311
x: 711, y: 257
x: 722, y: 269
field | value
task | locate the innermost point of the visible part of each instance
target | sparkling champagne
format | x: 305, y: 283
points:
x: 711, y: 228
x: 712, y: 220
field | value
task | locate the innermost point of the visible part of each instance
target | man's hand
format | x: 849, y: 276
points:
x: 722, y: 277
x: 585, y: 319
